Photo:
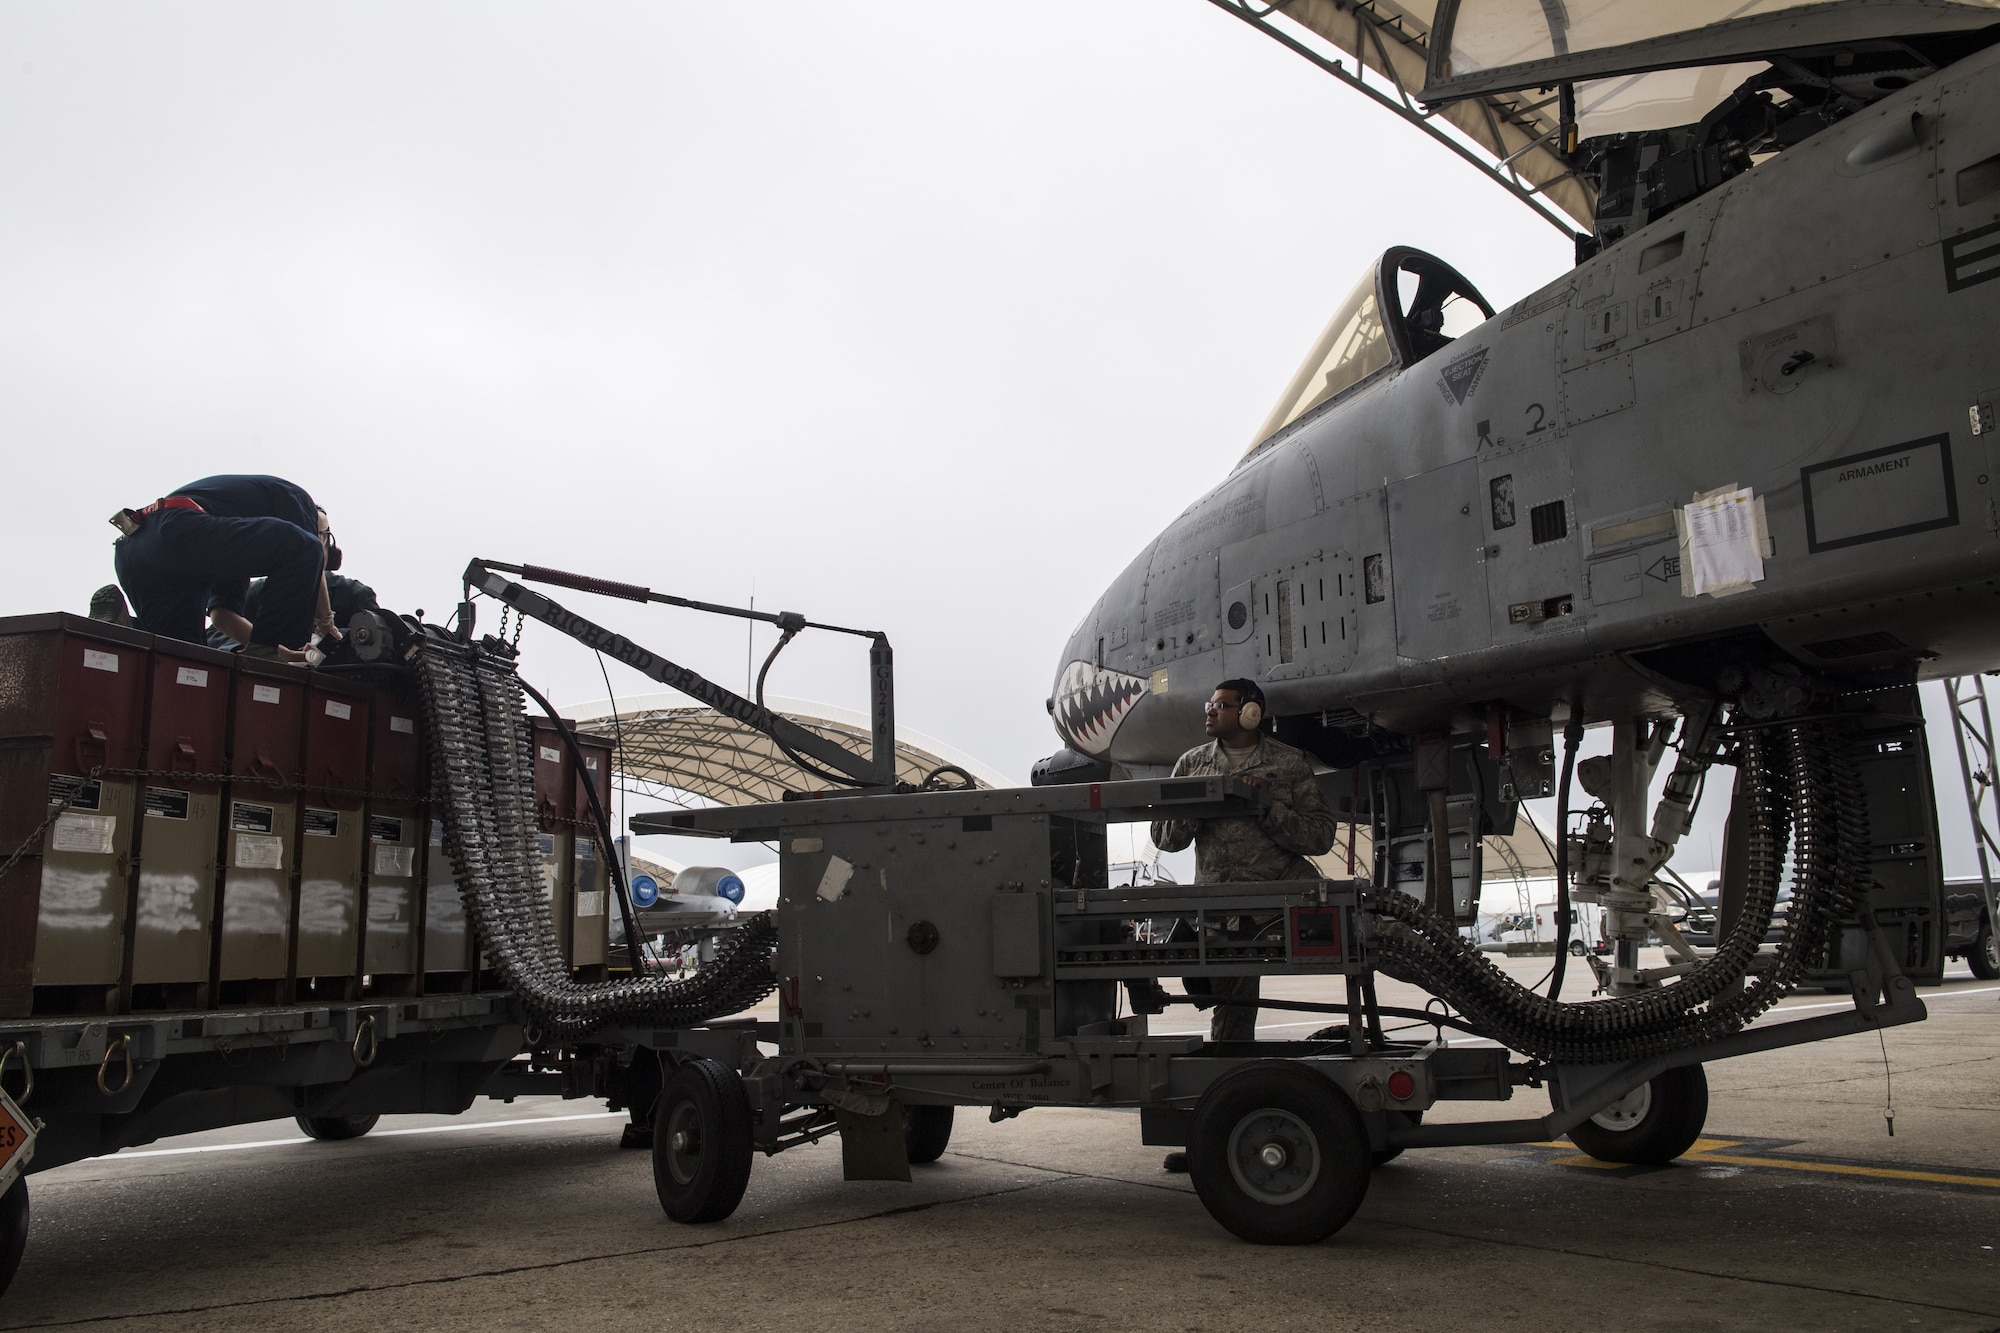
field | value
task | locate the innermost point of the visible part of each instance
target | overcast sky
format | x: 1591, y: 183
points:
x: 923, y: 318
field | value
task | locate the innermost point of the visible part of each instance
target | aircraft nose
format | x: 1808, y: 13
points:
x: 1090, y: 702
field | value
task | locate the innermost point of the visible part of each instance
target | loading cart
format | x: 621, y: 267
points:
x: 964, y: 949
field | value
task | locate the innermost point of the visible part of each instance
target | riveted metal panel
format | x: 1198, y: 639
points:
x: 1438, y: 562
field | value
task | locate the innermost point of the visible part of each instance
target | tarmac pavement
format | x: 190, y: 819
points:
x: 1796, y: 1211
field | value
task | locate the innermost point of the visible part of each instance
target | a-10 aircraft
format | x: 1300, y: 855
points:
x: 1729, y: 484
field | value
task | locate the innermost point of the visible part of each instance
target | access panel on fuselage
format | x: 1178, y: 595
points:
x: 1437, y: 562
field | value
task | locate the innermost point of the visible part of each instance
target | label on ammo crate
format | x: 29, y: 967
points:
x: 82, y: 794
x: 93, y: 835
x: 322, y: 823
x: 251, y: 818
x: 259, y: 851
x: 381, y: 828
x: 393, y: 860
x: 166, y: 803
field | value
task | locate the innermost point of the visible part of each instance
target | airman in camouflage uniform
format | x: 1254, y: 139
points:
x: 1273, y: 844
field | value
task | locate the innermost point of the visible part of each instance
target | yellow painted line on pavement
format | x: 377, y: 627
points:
x: 1847, y: 1169
x: 1714, y: 1152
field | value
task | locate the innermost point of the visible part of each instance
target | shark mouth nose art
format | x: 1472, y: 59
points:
x: 1090, y: 703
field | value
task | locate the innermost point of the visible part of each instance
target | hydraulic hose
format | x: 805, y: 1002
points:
x: 1572, y: 739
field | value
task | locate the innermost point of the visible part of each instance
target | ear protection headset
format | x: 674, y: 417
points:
x: 1250, y: 715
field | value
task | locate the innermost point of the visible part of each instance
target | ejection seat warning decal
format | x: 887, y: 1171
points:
x: 90, y: 834
x: 1883, y: 493
x: 322, y: 823
x: 166, y: 803
x: 265, y: 694
x: 1462, y: 375
x: 248, y: 818
x: 81, y: 794
x: 259, y: 851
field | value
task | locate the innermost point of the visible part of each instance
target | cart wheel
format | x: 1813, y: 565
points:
x: 13, y: 1231
x: 332, y: 1128
x: 1278, y: 1154
x: 701, y: 1142
x: 927, y: 1132
x: 1577, y: 948
x: 1650, y: 1125
x: 1985, y: 955
x: 1383, y: 1156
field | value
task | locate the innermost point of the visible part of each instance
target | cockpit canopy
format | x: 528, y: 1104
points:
x: 1427, y: 302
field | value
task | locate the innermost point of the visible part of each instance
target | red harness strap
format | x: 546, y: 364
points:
x: 171, y: 502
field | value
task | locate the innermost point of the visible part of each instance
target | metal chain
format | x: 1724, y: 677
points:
x: 275, y: 784
x: 35, y: 838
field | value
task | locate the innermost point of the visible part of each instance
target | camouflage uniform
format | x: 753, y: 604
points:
x: 1272, y: 844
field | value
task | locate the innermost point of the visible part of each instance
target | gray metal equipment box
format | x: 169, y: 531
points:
x: 981, y: 924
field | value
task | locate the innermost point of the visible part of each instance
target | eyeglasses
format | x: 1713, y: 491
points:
x: 1213, y: 707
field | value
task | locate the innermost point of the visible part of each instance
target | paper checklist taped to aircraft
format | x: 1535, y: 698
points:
x: 1722, y: 542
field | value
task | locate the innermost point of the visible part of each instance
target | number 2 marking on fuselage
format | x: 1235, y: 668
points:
x: 1538, y: 424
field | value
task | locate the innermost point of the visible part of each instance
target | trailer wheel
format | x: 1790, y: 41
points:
x: 13, y: 1231
x: 1577, y: 948
x: 1985, y: 955
x: 1650, y: 1125
x: 333, y: 1128
x: 702, y: 1142
x: 1278, y: 1154
x: 926, y: 1132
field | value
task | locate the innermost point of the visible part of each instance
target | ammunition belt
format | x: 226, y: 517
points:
x: 1805, y: 792
x: 483, y: 791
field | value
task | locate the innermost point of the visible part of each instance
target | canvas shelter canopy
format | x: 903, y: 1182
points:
x: 1515, y: 133
x: 673, y: 748
x: 1492, y: 44
x: 1634, y: 65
